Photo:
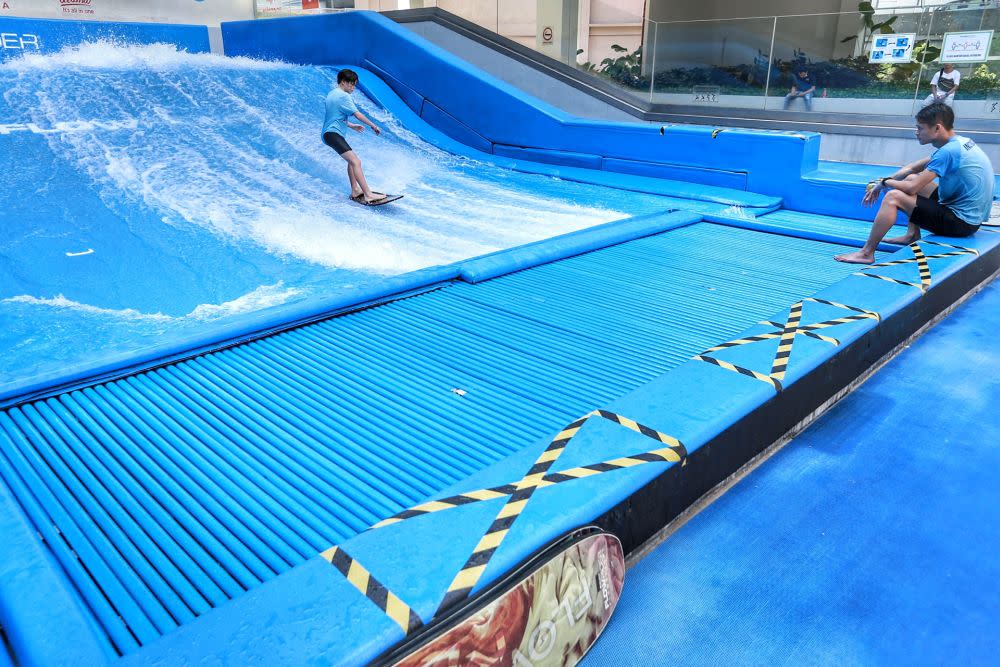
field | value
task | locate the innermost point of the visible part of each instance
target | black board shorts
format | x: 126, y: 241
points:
x: 935, y: 217
x: 337, y: 142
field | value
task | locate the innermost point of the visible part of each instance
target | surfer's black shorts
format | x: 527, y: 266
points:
x: 337, y: 142
x: 935, y: 217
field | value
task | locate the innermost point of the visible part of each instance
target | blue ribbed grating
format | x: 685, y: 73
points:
x: 819, y: 224
x: 166, y: 493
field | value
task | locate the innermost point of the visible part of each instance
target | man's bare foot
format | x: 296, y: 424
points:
x: 858, y: 257
x: 905, y: 239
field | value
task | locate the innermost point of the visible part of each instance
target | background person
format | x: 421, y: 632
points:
x: 956, y: 207
x: 802, y: 86
x: 944, y: 85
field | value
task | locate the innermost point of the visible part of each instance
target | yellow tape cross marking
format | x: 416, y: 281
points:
x: 518, y: 495
x: 786, y: 333
x: 362, y: 579
x: 780, y: 362
x: 474, y: 567
x: 674, y: 452
x: 921, y: 260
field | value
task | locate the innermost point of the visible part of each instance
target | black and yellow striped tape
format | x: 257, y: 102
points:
x: 383, y: 598
x: 518, y: 494
x: 674, y: 452
x: 921, y: 260
x: 780, y: 363
x: 477, y: 562
x: 786, y: 334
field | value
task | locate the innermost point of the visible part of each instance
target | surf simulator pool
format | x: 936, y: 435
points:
x: 216, y: 367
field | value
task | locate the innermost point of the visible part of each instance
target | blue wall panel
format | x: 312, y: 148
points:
x: 454, y: 128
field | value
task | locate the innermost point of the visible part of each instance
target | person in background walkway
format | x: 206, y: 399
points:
x: 959, y: 203
x: 802, y: 86
x: 944, y: 85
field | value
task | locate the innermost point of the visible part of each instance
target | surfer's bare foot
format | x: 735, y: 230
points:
x: 859, y: 257
x: 905, y: 239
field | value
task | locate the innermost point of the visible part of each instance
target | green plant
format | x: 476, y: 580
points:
x: 626, y: 69
x: 867, y: 12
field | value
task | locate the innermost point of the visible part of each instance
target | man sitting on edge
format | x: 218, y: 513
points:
x: 956, y: 207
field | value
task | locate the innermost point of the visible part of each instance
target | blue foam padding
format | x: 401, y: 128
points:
x: 585, y: 160
x: 238, y: 328
x: 719, y: 177
x: 36, y: 604
x: 881, y: 514
x: 574, y: 243
x: 51, y: 35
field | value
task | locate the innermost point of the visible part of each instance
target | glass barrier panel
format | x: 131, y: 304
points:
x: 713, y: 63
x: 972, y: 50
x: 824, y: 63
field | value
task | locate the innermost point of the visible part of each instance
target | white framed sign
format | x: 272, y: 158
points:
x: 892, y: 48
x: 966, y: 47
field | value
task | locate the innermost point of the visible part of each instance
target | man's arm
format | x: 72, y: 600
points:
x: 910, y: 169
x: 364, y: 119
x: 913, y: 183
x: 900, y: 180
x: 811, y: 89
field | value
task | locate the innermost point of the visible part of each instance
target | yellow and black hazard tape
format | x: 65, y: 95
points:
x: 780, y: 363
x: 921, y: 260
x: 674, y: 452
x: 870, y: 313
x: 474, y: 567
x: 786, y: 333
x: 739, y: 369
x: 360, y: 578
x: 518, y: 494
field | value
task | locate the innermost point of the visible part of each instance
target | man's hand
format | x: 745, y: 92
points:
x: 872, y: 193
x: 356, y: 128
x: 376, y: 130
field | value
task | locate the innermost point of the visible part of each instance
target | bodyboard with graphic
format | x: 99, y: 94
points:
x: 546, y: 613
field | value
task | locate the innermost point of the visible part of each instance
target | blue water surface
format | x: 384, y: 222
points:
x: 152, y: 195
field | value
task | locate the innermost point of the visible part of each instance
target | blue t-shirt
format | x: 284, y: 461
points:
x: 339, y: 107
x: 966, y: 179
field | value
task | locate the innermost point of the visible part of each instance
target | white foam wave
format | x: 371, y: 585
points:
x: 109, y: 54
x: 738, y: 212
x: 263, y: 297
x: 238, y: 153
